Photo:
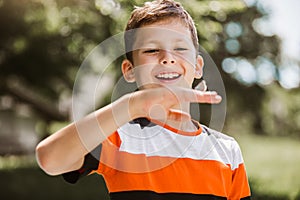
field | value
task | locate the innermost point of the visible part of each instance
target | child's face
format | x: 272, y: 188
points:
x: 164, y: 54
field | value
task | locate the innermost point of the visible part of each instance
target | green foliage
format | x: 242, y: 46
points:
x: 42, y: 46
x: 43, y: 43
x: 281, y: 110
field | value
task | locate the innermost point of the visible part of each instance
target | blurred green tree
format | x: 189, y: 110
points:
x: 43, y: 43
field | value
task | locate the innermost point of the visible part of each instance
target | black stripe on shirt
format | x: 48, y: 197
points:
x: 150, y: 195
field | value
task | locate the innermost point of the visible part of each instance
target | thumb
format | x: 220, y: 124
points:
x: 158, y: 112
x: 178, y: 115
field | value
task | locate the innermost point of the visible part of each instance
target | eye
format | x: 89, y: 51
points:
x: 151, y: 51
x: 180, y: 49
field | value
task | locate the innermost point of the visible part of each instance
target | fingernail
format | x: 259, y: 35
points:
x: 218, y: 97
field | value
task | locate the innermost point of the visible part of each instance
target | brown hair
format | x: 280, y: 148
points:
x: 153, y: 12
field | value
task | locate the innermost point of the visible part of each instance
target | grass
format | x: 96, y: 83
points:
x: 33, y: 184
x: 273, y: 164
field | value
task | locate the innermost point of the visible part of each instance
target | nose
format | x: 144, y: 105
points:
x: 167, y: 58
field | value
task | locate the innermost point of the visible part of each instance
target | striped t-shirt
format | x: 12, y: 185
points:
x: 160, y: 162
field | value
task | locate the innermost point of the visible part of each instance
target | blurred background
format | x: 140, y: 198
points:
x: 254, y: 43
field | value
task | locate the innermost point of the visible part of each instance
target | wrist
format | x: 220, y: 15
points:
x: 135, y: 107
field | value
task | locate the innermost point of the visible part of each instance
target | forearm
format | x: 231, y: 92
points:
x: 64, y: 150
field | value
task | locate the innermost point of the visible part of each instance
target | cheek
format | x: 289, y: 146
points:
x: 143, y: 79
x: 146, y: 60
x: 190, y: 64
x: 187, y: 58
x: 190, y: 70
x: 142, y: 73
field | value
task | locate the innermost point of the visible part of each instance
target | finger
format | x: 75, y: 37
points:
x: 196, y: 96
x: 178, y: 115
x: 210, y: 97
x: 158, y: 112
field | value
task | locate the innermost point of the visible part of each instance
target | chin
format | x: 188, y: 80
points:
x: 150, y: 86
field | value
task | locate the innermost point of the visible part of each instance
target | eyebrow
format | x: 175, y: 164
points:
x: 155, y: 42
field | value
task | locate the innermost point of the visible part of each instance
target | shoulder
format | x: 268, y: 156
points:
x: 226, y: 146
x: 218, y: 135
x: 225, y: 140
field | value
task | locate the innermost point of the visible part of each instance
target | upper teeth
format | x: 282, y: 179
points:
x: 168, y: 75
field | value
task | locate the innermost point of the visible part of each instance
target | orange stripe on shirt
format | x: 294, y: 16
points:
x: 125, y: 171
x: 181, y: 175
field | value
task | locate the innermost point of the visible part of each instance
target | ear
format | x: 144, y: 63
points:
x: 128, y: 71
x: 199, y: 67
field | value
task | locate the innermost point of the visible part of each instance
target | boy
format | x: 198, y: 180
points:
x: 144, y: 144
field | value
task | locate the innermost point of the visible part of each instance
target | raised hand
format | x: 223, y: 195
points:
x: 169, y: 103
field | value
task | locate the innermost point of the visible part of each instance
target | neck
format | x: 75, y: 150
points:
x: 187, y: 126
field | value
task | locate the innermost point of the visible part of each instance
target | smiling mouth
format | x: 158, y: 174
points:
x: 168, y: 76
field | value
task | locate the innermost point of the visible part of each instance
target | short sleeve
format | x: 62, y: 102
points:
x: 91, y: 163
x: 240, y: 187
